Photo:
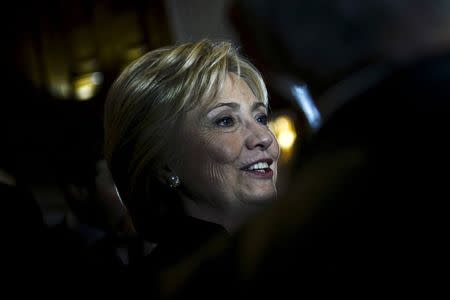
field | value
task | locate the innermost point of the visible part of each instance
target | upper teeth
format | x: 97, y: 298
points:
x: 258, y: 166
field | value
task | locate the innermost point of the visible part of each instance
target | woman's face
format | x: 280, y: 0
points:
x: 228, y: 154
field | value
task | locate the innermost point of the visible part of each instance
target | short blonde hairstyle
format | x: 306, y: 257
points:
x: 152, y: 94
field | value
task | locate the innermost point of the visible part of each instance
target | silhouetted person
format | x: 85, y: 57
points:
x: 365, y: 206
x: 90, y: 246
x: 22, y: 231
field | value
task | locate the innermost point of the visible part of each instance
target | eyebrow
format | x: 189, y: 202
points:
x: 257, y: 105
x: 233, y: 105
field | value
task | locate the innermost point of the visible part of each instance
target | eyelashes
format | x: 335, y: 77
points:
x: 263, y: 119
x: 229, y: 121
x: 226, y: 121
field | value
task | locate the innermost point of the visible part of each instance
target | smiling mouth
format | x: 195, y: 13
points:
x: 259, y: 169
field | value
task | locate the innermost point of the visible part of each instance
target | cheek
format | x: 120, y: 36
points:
x: 274, y: 149
x: 275, y: 153
x: 210, y: 157
x: 223, y: 149
x: 277, y: 148
x: 219, y: 153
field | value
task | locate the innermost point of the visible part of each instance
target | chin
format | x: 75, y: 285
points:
x: 261, y: 198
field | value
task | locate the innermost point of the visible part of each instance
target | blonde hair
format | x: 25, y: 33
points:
x: 152, y: 94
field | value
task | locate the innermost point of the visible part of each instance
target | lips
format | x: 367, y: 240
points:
x: 259, y: 169
x: 259, y: 164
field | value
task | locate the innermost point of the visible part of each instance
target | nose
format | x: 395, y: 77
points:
x: 259, y: 136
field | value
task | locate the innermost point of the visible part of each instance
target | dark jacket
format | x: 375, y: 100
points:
x: 366, y: 208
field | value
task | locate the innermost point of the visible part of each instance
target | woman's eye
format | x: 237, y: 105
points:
x: 225, y: 122
x: 262, y: 119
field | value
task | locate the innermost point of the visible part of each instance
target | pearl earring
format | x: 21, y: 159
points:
x: 174, y: 181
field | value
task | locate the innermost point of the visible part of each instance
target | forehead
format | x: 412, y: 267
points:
x: 234, y: 89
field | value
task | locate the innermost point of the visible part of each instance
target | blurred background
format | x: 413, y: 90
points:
x: 60, y: 57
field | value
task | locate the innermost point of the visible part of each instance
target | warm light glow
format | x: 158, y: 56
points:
x: 286, y: 139
x: 61, y: 90
x: 284, y: 129
x: 85, y: 92
x: 134, y: 53
x: 87, y: 85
